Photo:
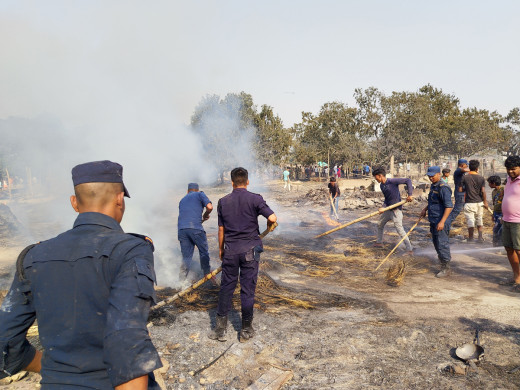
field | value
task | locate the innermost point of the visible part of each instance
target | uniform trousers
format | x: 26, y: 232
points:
x: 441, y: 242
x: 245, y: 266
x: 457, y: 208
x: 336, y: 204
x: 189, y: 239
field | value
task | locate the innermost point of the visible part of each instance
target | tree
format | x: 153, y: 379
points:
x: 273, y: 142
x: 478, y: 131
x: 411, y: 130
x: 512, y: 130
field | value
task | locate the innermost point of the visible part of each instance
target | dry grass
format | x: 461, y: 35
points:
x: 396, y: 273
x: 316, y: 271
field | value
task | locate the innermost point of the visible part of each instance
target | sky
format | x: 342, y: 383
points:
x: 88, y: 62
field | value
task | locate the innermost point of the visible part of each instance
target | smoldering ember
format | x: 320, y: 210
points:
x: 324, y: 318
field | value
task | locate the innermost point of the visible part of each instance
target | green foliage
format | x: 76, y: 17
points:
x: 272, y: 142
x: 411, y: 126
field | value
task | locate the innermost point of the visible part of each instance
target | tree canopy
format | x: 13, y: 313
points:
x: 410, y: 126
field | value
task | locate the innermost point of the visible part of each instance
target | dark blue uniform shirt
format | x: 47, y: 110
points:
x: 238, y: 213
x: 439, y: 199
x: 390, y: 190
x: 90, y: 289
x: 457, y: 179
x: 190, y: 210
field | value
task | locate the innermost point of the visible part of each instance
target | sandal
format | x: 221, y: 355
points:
x: 508, y: 282
x: 516, y: 288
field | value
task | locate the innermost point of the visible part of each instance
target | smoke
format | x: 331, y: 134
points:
x: 100, y: 82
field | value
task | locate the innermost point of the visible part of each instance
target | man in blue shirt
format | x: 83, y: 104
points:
x: 459, y: 195
x: 191, y: 234
x: 390, y: 189
x: 239, y: 246
x: 90, y: 289
x: 439, y: 208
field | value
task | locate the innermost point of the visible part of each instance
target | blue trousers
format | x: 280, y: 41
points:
x: 189, y: 238
x: 336, y: 204
x: 441, y: 242
x: 497, y: 229
x: 457, y: 208
x: 245, y: 266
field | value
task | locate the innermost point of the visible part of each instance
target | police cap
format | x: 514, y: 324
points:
x: 99, y: 172
x: 462, y: 161
x: 432, y: 171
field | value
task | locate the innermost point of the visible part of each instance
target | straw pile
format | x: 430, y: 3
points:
x: 396, y: 273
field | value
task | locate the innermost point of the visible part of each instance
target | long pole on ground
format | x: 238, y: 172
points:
x: 361, y: 219
x: 399, y: 243
x: 205, y: 278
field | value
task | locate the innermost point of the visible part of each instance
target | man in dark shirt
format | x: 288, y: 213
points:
x: 475, y: 200
x: 439, y: 208
x: 90, y: 289
x: 334, y: 192
x: 240, y: 247
x: 190, y: 230
x: 390, y: 189
x: 459, y: 195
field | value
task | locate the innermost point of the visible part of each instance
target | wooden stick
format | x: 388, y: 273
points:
x: 361, y: 219
x: 205, y: 278
x: 333, y: 207
x: 399, y: 243
x: 206, y: 366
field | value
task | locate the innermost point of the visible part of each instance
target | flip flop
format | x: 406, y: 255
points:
x: 508, y: 282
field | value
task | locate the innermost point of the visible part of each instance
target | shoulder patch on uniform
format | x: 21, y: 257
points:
x: 143, y: 237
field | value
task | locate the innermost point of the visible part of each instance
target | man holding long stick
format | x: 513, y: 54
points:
x: 390, y: 189
x: 439, y: 208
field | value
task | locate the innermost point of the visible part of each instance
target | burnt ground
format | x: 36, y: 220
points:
x: 324, y: 314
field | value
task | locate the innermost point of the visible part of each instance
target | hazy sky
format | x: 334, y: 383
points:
x: 88, y: 62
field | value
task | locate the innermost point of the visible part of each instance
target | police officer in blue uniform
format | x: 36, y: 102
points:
x: 240, y: 247
x: 439, y: 208
x: 90, y: 289
x: 459, y: 196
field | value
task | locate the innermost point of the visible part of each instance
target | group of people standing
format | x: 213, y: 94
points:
x: 239, y: 245
x: 91, y: 287
x: 470, y: 198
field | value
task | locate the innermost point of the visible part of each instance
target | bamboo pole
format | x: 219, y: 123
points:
x: 205, y: 278
x: 333, y: 207
x: 361, y: 219
x: 399, y: 243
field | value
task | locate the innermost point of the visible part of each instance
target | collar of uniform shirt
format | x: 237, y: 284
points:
x: 92, y: 218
